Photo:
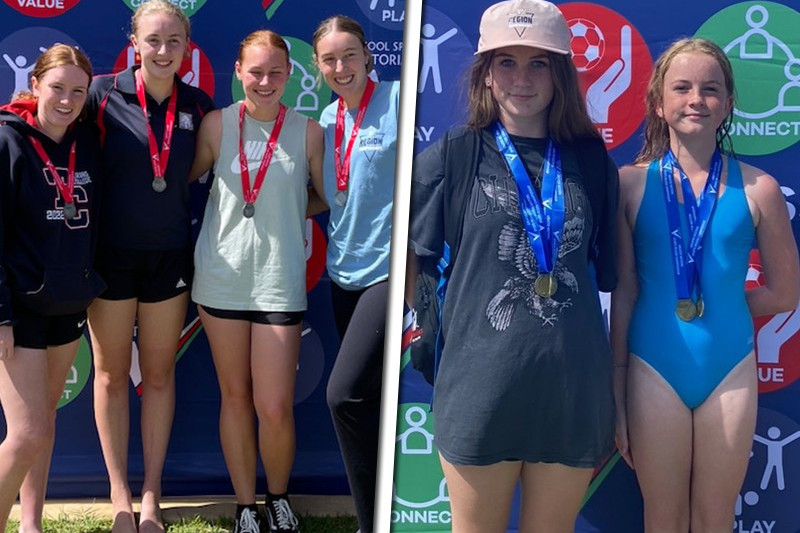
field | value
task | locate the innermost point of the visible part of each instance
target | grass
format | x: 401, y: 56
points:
x: 90, y: 524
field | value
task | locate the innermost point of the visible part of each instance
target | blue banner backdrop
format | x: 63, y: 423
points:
x: 101, y: 27
x: 614, y: 43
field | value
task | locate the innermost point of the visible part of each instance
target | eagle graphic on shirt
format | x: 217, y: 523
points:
x: 514, y: 247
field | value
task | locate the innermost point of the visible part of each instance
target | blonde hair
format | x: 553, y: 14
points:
x: 263, y: 38
x: 656, y: 131
x: 149, y: 7
x: 57, y: 55
x: 567, y: 119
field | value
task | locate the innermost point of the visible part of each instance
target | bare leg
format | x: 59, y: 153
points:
x: 111, y: 327
x: 660, y: 434
x: 23, y: 395
x: 159, y: 331
x: 275, y: 350
x: 723, y: 437
x: 230, y: 348
x: 32, y: 491
x: 551, y: 497
x: 480, y: 496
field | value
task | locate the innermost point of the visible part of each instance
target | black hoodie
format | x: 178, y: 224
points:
x: 45, y: 260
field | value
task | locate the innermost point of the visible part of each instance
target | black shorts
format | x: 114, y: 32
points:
x: 38, y: 332
x: 270, y: 318
x: 147, y: 275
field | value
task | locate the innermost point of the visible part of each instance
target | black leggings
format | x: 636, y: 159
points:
x: 354, y: 389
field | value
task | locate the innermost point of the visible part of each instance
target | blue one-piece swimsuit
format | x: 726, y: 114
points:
x: 693, y: 357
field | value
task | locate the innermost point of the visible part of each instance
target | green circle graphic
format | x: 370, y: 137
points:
x: 763, y: 45
x: 302, y: 92
x: 420, y: 501
x: 78, y: 375
x: 190, y: 7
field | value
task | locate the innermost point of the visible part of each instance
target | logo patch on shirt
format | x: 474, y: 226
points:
x: 370, y: 142
x: 185, y: 121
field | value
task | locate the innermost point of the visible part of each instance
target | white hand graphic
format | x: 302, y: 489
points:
x: 774, y: 333
x: 612, y: 83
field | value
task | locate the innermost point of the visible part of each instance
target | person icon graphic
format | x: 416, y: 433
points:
x: 416, y: 418
x: 774, y: 455
x: 758, y: 44
x: 430, y: 56
x: 374, y: 4
x: 789, y: 95
x: 21, y: 70
x: 307, y: 100
x: 756, y: 38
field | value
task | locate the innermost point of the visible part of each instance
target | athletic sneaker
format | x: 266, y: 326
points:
x: 281, y: 517
x: 248, y: 522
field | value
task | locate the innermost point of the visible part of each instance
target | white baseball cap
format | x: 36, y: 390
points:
x: 533, y: 23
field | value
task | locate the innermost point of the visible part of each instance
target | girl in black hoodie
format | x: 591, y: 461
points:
x: 48, y: 177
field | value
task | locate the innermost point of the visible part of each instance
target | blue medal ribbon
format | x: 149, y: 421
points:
x: 543, y: 219
x: 688, y: 264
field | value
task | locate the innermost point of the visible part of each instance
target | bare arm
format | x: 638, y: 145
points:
x: 207, y: 146
x: 624, y: 296
x: 776, y: 246
x: 315, y: 148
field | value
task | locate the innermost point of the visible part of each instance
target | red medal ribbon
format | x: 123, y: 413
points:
x: 343, y: 167
x: 250, y: 195
x: 64, y: 188
x: 158, y: 160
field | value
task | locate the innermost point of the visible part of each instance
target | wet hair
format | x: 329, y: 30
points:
x: 57, y: 55
x: 344, y: 24
x: 263, y: 38
x: 567, y: 120
x: 150, y: 7
x: 656, y: 131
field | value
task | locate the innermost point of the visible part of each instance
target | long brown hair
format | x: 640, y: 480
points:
x: 656, y: 131
x: 567, y: 119
x: 57, y: 55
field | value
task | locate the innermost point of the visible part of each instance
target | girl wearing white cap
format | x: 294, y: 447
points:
x: 523, y: 391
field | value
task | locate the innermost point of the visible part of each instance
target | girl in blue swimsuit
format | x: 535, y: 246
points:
x: 687, y: 395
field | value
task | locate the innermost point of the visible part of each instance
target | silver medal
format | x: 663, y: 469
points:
x: 70, y: 211
x: 249, y: 210
x: 159, y: 184
x: 341, y: 198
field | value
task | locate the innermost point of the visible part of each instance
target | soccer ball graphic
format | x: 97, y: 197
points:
x: 587, y: 43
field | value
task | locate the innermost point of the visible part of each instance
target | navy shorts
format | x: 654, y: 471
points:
x: 38, y: 332
x: 270, y: 318
x: 148, y: 275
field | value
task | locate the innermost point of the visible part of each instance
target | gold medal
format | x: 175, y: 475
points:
x: 701, y: 307
x: 686, y: 310
x: 545, y: 285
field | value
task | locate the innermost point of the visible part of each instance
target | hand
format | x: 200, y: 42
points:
x: 621, y: 439
x: 6, y: 343
x: 612, y: 83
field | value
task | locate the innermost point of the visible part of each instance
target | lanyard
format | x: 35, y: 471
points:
x: 251, y: 194
x: 67, y: 188
x: 343, y: 167
x: 158, y: 160
x: 688, y: 264
x: 543, y: 219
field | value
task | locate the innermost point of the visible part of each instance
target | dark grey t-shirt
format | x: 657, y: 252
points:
x: 521, y: 377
